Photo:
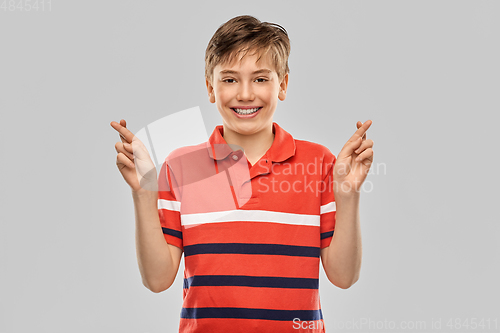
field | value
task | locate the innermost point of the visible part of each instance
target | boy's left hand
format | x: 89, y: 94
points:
x: 353, y: 162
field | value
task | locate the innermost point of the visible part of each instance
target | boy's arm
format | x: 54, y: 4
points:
x: 158, y: 261
x: 342, y: 259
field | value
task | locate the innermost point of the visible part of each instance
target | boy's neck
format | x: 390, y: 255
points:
x: 255, y: 145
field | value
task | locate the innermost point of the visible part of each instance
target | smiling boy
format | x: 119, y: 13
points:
x: 253, y: 209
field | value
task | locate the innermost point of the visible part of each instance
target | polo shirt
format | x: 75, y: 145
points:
x: 251, y: 234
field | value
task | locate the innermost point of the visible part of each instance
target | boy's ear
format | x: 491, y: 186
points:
x: 283, y: 86
x: 210, y: 90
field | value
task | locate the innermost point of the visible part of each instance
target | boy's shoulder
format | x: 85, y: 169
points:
x: 304, y: 147
x: 186, y: 154
x: 186, y: 150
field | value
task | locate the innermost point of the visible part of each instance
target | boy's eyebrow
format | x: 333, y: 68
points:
x: 260, y: 71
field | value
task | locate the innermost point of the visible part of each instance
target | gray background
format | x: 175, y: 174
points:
x: 425, y: 72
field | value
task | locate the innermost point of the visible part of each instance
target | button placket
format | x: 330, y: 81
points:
x: 239, y: 173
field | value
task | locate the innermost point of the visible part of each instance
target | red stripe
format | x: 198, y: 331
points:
x: 254, y: 265
x: 252, y: 232
x: 172, y: 240
x: 251, y: 297
x: 246, y: 326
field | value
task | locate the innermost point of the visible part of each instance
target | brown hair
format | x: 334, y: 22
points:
x: 243, y: 34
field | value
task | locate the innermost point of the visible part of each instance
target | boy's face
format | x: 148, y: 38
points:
x: 241, y: 87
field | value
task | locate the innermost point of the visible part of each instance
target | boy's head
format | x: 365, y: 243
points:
x: 246, y: 65
x: 244, y: 34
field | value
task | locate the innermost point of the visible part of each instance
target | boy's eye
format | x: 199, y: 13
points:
x: 228, y: 80
x: 261, y: 80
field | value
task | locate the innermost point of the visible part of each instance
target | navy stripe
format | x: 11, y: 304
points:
x: 172, y: 232
x: 244, y: 248
x: 248, y: 313
x: 326, y: 234
x: 251, y: 281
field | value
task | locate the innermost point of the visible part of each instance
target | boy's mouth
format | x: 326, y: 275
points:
x: 246, y: 111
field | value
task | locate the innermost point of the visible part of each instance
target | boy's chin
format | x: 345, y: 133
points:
x: 249, y: 128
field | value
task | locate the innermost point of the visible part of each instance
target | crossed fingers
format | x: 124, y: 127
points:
x: 125, y: 135
x: 366, y: 145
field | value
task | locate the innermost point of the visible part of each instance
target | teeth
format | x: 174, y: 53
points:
x: 246, y: 111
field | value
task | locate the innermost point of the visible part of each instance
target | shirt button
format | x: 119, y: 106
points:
x: 235, y: 157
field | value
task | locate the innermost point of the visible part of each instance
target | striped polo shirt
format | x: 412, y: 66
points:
x: 251, y: 234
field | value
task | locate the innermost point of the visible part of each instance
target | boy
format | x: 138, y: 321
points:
x: 252, y: 209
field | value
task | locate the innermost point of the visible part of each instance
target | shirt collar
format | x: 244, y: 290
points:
x: 283, y: 146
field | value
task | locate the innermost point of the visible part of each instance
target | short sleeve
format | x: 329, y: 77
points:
x: 328, y: 208
x: 169, y: 207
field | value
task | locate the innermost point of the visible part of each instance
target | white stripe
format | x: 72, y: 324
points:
x: 329, y: 207
x: 169, y: 204
x: 251, y: 216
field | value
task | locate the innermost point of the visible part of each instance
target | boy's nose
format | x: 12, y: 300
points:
x: 245, y: 92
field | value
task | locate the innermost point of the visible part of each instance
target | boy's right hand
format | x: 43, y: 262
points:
x: 133, y: 161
